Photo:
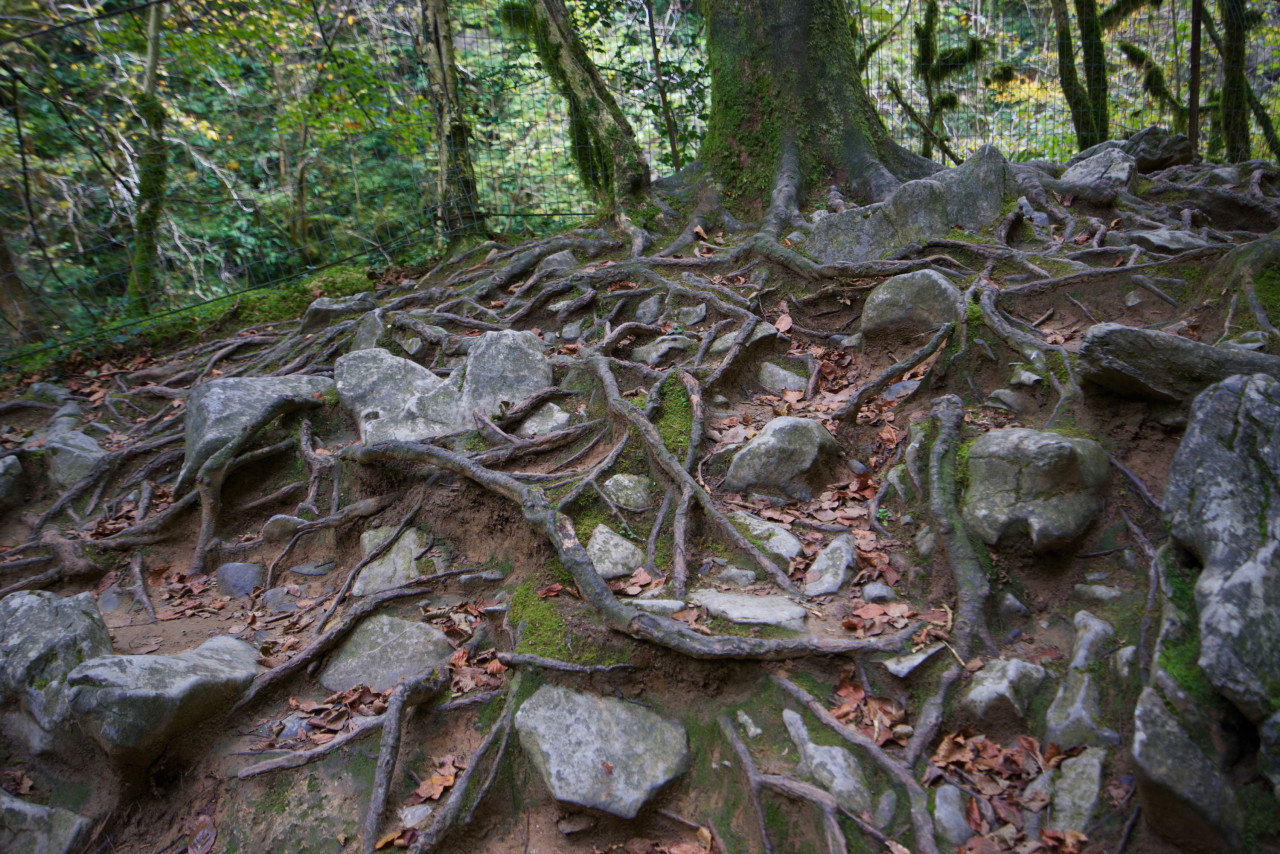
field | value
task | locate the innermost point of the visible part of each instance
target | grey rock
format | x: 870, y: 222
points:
x: 689, y: 315
x: 239, y: 579
x: 774, y: 537
x: 665, y: 607
x: 571, y: 331
x: 394, y: 399
x: 750, y: 610
x: 886, y: 808
x: 326, y: 310
x: 281, y: 528
x: 779, y: 379
x: 1003, y: 688
x: 11, y: 483
x: 903, y: 666
x: 833, y: 768
x: 924, y: 542
x: 749, y: 728
x: 949, y: 816
x: 27, y: 828
x: 1034, y: 820
x: 1012, y: 610
x: 653, y: 352
x: 1024, y: 378
x: 396, y: 567
x: 382, y: 650
x: 1220, y: 504
x: 1124, y: 660
x: 1101, y: 593
x: 600, y: 753
x: 1010, y: 401
x: 1224, y: 176
x: 1040, y: 486
x: 278, y: 600
x: 217, y: 411
x: 49, y: 393
x: 911, y: 303
x: 830, y: 569
x: 1074, y: 718
x: 1156, y: 365
x: 1093, y: 635
x: 1253, y: 340
x: 1166, y: 241
x: 557, y: 262
x: 547, y: 418
x: 1154, y: 148
x: 43, y: 637
x: 761, y: 331
x: 1193, y: 798
x: 650, y: 310
x: 415, y: 816
x: 369, y: 331
x: 314, y: 568
x: 878, y: 591
x: 788, y: 454
x: 612, y: 554
x: 133, y: 706
x: 732, y: 576
x: 629, y: 491
x: 1108, y: 169
x: 1076, y: 791
x: 72, y: 456
x: 503, y: 368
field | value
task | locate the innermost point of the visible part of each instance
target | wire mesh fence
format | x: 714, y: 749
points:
x: 299, y: 137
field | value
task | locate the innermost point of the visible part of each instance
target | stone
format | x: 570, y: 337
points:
x: 902, y: 666
x: 949, y: 816
x: 1076, y: 791
x: 369, y: 331
x: 1100, y: 593
x: 650, y: 310
x: 1109, y: 169
x: 1154, y: 148
x: 134, y: 706
x: 629, y: 491
x: 1124, y: 660
x: 912, y: 303
x: 382, y: 650
x: 689, y: 315
x: 1003, y: 688
x: 1023, y: 378
x: 600, y: 753
x: 1159, y: 366
x: 394, y: 399
x: 749, y: 728
x: 1166, y: 241
x: 789, y: 454
x: 238, y: 580
x: 878, y: 591
x: 1188, y: 799
x: 72, y: 455
x: 279, y: 600
x: 653, y: 352
x: 1220, y: 505
x: 48, y: 393
x: 1074, y: 717
x: 281, y: 528
x: 886, y: 808
x: 665, y: 607
x: 11, y: 483
x: 547, y: 418
x: 415, y: 816
x: 326, y: 310
x: 43, y: 637
x: 217, y: 411
x: 1093, y: 635
x: 1028, y: 485
x: 1011, y: 610
x: 751, y: 610
x: 760, y: 331
x: 774, y: 538
x: 571, y: 331
x: 732, y: 576
x: 779, y: 379
x: 33, y: 829
x: 503, y: 368
x: 1010, y: 401
x: 830, y: 569
x: 612, y: 554
x: 833, y: 768
x: 557, y: 262
x: 396, y: 567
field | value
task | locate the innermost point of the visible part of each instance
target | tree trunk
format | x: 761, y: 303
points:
x: 609, y: 157
x: 458, y: 209
x: 788, y: 109
x: 1094, y: 58
x: 152, y: 168
x: 1084, y: 112
x: 1235, y: 98
x: 21, y: 321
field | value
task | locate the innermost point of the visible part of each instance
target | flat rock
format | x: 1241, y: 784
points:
x: 1076, y: 791
x: 326, y: 310
x: 280, y: 528
x: 830, y: 569
x: 600, y: 753
x: 134, y: 706
x: 774, y: 538
x: 217, y: 411
x: 1160, y: 366
x: 382, y: 650
x: 653, y: 352
x: 1167, y: 241
x: 27, y: 828
x: 649, y: 310
x: 547, y: 418
x: 751, y: 610
x: 629, y: 491
x: 949, y: 816
x: 778, y: 379
x: 732, y: 576
x: 760, y: 331
x: 789, y: 454
x: 1003, y: 688
x: 902, y: 666
x: 1041, y: 487
x: 394, y: 399
x: 397, y: 566
x: 833, y: 768
x: 43, y: 637
x: 877, y: 592
x: 503, y: 368
x: 911, y: 303
x: 238, y: 580
x: 614, y: 556
x: 1110, y: 168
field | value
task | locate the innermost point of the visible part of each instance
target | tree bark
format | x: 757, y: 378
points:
x: 1084, y: 110
x: 1235, y: 98
x: 1093, y: 56
x: 16, y: 307
x: 458, y: 208
x: 152, y: 168
x: 787, y: 103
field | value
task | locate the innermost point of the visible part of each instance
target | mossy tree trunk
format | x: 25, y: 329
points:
x: 1088, y: 105
x: 458, y: 211
x: 152, y: 169
x: 788, y: 109
x: 21, y: 321
x: 1235, y: 85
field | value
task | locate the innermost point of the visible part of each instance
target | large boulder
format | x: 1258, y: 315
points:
x: 503, y: 368
x: 33, y: 829
x: 1109, y: 169
x: 136, y: 706
x: 1221, y: 506
x: 1002, y: 689
x: 1040, y: 487
x: 599, y: 753
x: 218, y: 410
x: 397, y: 566
x: 1152, y: 149
x: 326, y: 310
x: 382, y: 650
x: 789, y: 454
x: 43, y: 637
x: 911, y: 303
x: 72, y: 454
x: 1157, y: 365
x: 394, y: 399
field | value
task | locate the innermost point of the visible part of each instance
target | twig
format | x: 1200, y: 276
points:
x: 517, y: 659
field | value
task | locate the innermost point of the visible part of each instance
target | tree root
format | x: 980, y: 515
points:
x: 517, y: 659
x: 849, y: 412
x: 378, y: 552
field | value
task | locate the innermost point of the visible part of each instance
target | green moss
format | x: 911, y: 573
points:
x: 1261, y: 815
x: 1180, y: 653
x: 473, y: 443
x: 962, y: 465
x: 545, y: 632
x: 675, y: 416
x: 275, y: 800
x: 1267, y: 286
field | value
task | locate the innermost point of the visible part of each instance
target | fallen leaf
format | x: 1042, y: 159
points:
x: 203, y: 837
x: 783, y: 323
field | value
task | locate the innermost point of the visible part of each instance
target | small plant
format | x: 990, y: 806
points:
x: 884, y: 514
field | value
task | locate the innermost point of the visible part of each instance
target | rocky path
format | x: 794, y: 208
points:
x: 940, y: 523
